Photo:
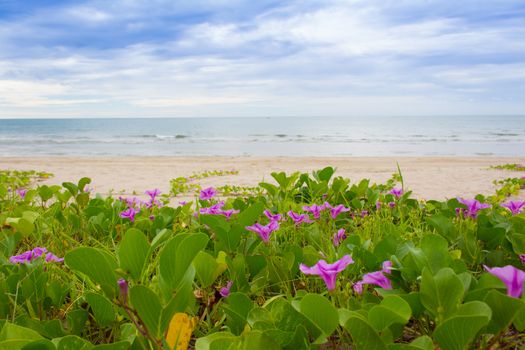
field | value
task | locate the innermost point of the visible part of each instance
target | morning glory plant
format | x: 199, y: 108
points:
x: 473, y: 206
x: 328, y: 272
x: 515, y: 207
x: 511, y: 276
x: 264, y: 231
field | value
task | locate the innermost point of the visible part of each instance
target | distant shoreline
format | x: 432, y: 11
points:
x: 428, y: 177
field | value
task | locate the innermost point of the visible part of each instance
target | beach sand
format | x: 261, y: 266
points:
x: 427, y: 177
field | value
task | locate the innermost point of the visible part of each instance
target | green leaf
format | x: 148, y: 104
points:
x: 205, y: 269
x: 121, y: 345
x: 504, y: 310
x: 12, y: 331
x: 72, y: 342
x: 422, y: 343
x: 441, y: 294
x: 458, y: 331
x: 96, y: 265
x: 148, y: 307
x: 237, y: 308
x: 41, y: 344
x: 216, y: 341
x: 320, y: 312
x: 392, y: 309
x: 177, y: 255
x: 363, y: 335
x: 256, y: 340
x: 435, y: 248
x: 102, y: 309
x: 133, y: 251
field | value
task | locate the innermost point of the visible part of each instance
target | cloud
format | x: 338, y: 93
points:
x: 270, y: 58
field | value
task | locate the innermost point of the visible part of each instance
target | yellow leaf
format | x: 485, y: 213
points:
x: 179, y: 331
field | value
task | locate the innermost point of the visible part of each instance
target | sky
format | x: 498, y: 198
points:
x: 218, y: 58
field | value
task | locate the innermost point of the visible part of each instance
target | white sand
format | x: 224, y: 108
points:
x: 428, y: 177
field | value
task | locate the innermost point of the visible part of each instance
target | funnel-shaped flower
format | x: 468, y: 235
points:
x: 30, y: 255
x: 225, y: 291
x: 338, y: 237
x: 123, y: 287
x: 129, y: 214
x: 328, y: 272
x: 207, y: 193
x: 21, y: 192
x: 264, y: 231
x: 314, y: 209
x: 335, y: 211
x: 215, y: 209
x: 153, y: 193
x: 511, y: 276
x: 522, y: 258
x: 272, y: 217
x: 514, y: 207
x: 377, y: 278
x: 473, y: 206
x: 397, y: 192
x: 387, y: 266
x: 298, y: 218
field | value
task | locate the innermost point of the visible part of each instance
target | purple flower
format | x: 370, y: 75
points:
x: 129, y: 214
x: 52, y: 257
x: 338, y: 237
x: 21, y: 192
x: 183, y: 202
x: 387, y: 266
x: 215, y: 209
x: 364, y: 213
x: 328, y: 272
x: 264, y: 231
x: 152, y: 217
x: 358, y: 287
x: 229, y: 212
x: 207, y: 193
x: 378, y: 205
x: 153, y: 193
x: 298, y: 218
x: 473, y: 206
x: 397, y: 192
x: 335, y: 211
x: 514, y: 207
x: 123, y: 287
x: 30, y: 255
x: 272, y: 217
x: 314, y: 209
x: 225, y: 291
x: 391, y: 204
x: 511, y: 276
x: 522, y: 258
x: 377, y: 278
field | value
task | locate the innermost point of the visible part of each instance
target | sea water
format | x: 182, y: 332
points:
x: 285, y: 136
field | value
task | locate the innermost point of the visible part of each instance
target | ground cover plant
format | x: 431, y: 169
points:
x: 306, y: 261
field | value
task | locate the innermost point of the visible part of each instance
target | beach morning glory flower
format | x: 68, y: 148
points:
x: 225, y: 291
x: 358, y: 287
x: 153, y: 193
x: 298, y: 218
x: 314, y: 209
x: 208, y: 193
x: 397, y: 192
x: 229, y: 212
x: 272, y: 217
x: 473, y: 206
x: 328, y: 272
x: 339, y: 236
x: 264, y: 231
x: 377, y: 278
x: 514, y: 207
x: 129, y: 214
x: 335, y: 211
x: 378, y: 205
x: 215, y: 209
x: 511, y: 276
x: 123, y: 287
x: 391, y: 204
x: 30, y: 255
x: 522, y: 258
x: 387, y: 266
x: 21, y: 192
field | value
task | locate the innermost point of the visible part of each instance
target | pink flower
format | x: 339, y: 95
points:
x: 129, y: 214
x: 473, y: 206
x: 225, y: 291
x: 153, y: 193
x: 391, y: 204
x: 364, y: 213
x: 387, y: 266
x: 522, y: 258
x: 338, y: 237
x: 298, y: 218
x: 21, y: 192
x: 229, y: 212
x: 511, y: 276
x: 514, y: 207
x: 123, y: 287
x: 358, y: 287
x: 328, y: 272
x: 377, y: 278
x: 272, y: 217
x: 264, y: 231
x: 314, y: 209
x: 378, y: 205
x: 335, y: 211
x: 30, y: 255
x: 397, y: 192
x: 208, y: 193
x: 215, y: 209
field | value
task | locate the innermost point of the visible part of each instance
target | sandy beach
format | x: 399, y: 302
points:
x: 427, y: 177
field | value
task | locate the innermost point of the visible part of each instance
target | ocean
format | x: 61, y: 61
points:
x: 322, y: 136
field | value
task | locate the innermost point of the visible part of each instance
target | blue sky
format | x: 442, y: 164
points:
x: 260, y: 58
